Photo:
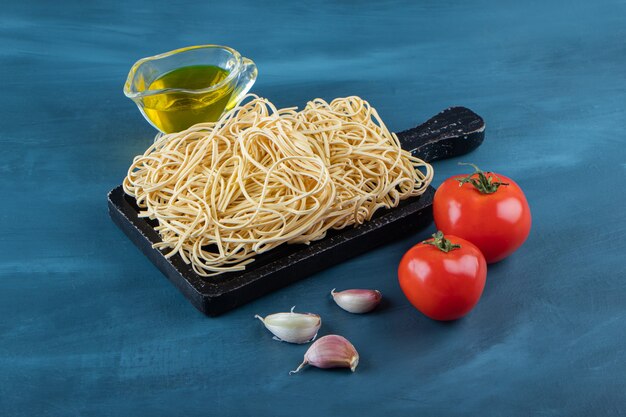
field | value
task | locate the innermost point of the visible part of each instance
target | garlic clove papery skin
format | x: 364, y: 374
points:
x: 292, y: 327
x: 357, y: 301
x: 332, y: 351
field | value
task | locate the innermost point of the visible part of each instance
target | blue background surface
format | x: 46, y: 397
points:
x: 89, y: 327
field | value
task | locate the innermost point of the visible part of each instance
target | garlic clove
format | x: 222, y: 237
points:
x: 292, y: 327
x: 357, y: 301
x: 332, y: 351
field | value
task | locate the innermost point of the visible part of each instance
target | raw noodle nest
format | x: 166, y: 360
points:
x: 259, y: 177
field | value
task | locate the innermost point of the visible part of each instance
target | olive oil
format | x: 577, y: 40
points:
x: 175, y: 111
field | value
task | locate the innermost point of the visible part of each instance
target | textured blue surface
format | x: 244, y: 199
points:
x: 89, y: 327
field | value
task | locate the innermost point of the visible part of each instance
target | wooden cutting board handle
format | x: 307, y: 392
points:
x: 453, y: 132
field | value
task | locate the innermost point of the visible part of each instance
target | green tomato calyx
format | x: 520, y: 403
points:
x: 483, y: 183
x: 440, y: 242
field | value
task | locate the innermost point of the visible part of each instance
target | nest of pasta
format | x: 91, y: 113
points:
x: 260, y: 177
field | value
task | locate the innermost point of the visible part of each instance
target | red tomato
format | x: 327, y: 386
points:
x: 490, y: 210
x: 443, y: 277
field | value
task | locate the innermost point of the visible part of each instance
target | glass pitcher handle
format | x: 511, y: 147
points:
x: 247, y: 78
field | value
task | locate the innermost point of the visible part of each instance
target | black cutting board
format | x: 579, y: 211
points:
x: 453, y: 132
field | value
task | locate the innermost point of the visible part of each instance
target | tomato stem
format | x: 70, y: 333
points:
x: 440, y: 242
x: 483, y: 183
